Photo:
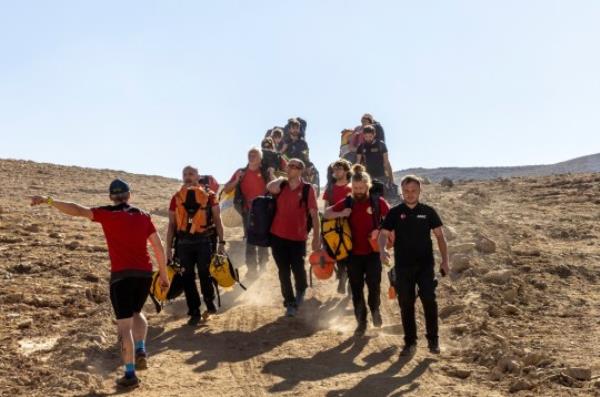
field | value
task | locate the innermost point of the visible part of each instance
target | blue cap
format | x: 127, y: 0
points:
x: 118, y: 186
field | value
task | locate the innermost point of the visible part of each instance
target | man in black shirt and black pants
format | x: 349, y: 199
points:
x: 412, y: 223
x: 373, y: 154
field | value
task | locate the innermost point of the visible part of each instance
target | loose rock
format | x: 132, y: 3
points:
x: 580, y: 373
x: 520, y: 384
x: 499, y: 277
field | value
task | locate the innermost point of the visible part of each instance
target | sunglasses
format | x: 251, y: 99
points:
x: 295, y: 166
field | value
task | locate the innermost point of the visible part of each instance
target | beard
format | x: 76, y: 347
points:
x: 360, y: 196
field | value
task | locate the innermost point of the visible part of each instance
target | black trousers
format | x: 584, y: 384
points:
x: 196, y: 254
x: 407, y: 279
x: 289, y: 256
x: 361, y: 269
x: 255, y: 256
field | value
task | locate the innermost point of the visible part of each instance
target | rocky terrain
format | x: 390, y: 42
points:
x: 583, y: 164
x: 519, y: 312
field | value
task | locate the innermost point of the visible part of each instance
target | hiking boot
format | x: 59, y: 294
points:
x: 141, y: 360
x: 361, y: 328
x: 434, y: 346
x: 408, y: 350
x: 194, y: 320
x: 377, y: 321
x: 211, y: 308
x: 128, y: 383
x: 300, y: 298
x: 291, y: 311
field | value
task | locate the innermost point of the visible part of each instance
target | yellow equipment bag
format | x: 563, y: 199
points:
x: 337, y: 237
x: 223, y: 273
x: 158, y: 295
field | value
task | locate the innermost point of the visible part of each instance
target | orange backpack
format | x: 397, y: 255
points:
x: 192, y: 211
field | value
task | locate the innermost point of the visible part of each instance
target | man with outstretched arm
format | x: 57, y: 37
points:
x: 412, y: 223
x: 127, y: 230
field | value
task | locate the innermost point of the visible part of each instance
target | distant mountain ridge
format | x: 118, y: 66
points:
x: 584, y: 164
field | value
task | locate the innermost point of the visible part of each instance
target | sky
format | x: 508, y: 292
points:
x: 149, y: 87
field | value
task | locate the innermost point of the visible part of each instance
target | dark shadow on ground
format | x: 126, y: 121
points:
x: 325, y: 364
x: 386, y: 382
x: 210, y: 349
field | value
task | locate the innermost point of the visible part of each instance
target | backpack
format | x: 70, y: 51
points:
x: 260, y: 219
x: 271, y: 159
x: 175, y: 276
x: 223, y: 274
x: 379, y: 133
x: 239, y: 201
x: 377, y: 188
x: 193, y: 214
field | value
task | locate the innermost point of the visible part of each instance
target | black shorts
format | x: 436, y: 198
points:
x: 128, y: 295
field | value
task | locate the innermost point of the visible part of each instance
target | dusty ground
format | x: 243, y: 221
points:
x: 517, y: 313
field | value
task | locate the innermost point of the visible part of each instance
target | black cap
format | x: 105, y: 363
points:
x: 118, y: 186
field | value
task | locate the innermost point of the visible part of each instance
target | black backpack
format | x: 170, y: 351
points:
x: 271, y: 159
x: 379, y: 133
x: 377, y: 188
x: 262, y: 212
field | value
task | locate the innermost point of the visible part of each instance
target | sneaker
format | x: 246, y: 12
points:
x: 434, y: 346
x: 361, y: 328
x: 290, y: 311
x: 408, y: 350
x: 141, y: 360
x: 194, y: 320
x: 377, y: 321
x: 300, y: 298
x: 128, y: 383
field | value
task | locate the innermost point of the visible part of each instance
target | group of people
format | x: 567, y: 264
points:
x: 195, y: 233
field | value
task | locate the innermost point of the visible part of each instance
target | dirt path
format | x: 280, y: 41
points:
x: 250, y: 349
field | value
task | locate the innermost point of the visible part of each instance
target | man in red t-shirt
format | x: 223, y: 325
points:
x: 251, y: 182
x: 195, y: 220
x: 364, y: 213
x: 127, y: 230
x: 296, y: 201
x: 338, y: 189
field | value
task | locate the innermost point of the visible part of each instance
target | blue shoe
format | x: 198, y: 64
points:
x: 290, y: 311
x: 300, y: 298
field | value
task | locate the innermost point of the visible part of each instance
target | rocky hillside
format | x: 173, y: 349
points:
x: 519, y: 311
x: 583, y: 164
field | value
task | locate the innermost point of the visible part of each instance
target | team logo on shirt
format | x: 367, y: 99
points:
x: 402, y: 216
x: 370, y: 211
x: 422, y: 216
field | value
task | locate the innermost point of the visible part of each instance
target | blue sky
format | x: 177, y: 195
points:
x: 149, y: 87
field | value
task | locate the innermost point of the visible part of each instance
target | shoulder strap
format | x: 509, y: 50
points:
x: 329, y: 191
x: 305, y: 192
x: 375, y: 204
x: 349, y: 202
